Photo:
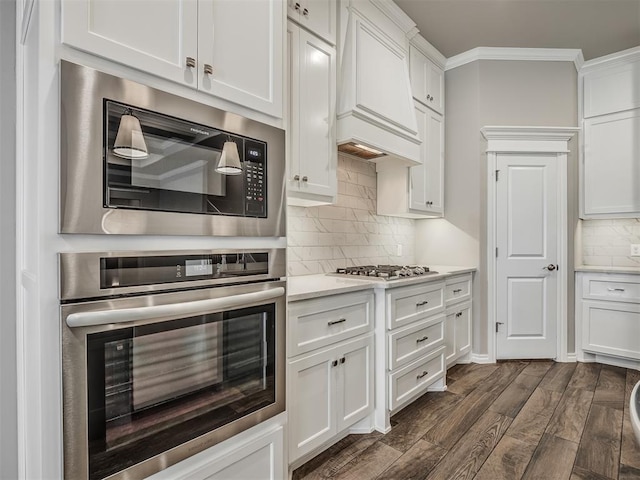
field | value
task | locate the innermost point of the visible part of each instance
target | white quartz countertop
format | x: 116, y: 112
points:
x: 313, y: 286
x: 605, y: 269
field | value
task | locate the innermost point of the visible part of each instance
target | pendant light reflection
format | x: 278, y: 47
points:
x: 229, y: 163
x: 129, y: 139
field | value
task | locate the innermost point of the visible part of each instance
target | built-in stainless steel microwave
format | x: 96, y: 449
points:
x: 137, y: 160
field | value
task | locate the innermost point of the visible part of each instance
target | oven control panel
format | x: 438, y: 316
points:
x: 255, y: 178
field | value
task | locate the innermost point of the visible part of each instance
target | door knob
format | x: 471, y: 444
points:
x: 551, y: 267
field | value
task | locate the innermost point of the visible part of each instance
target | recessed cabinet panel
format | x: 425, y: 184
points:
x: 463, y: 330
x: 450, y: 337
x: 123, y: 32
x: 611, y: 328
x: 379, y: 62
x: 427, y: 80
x: 415, y: 378
x: 318, y: 16
x: 418, y: 174
x: 413, y: 341
x: 611, y: 173
x: 356, y: 392
x: 612, y: 89
x: 409, y: 304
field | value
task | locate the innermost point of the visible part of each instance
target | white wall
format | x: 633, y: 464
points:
x: 481, y: 93
x: 8, y: 386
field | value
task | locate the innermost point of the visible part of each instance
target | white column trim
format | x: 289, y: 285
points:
x: 545, y: 140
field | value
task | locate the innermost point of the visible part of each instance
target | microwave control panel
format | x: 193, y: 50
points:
x: 255, y: 173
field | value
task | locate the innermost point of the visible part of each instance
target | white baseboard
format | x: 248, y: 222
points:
x: 618, y: 362
x: 480, y: 358
x: 572, y: 358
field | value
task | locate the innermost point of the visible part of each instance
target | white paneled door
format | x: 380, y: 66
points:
x: 527, y: 256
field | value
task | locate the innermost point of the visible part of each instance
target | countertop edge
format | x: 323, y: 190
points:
x: 307, y: 287
x: 607, y: 269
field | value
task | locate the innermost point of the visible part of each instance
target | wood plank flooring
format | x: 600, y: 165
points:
x: 509, y: 421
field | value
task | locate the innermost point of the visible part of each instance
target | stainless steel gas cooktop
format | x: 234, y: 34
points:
x: 384, y: 272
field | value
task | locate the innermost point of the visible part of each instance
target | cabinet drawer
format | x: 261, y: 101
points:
x: 408, y: 304
x: 620, y: 288
x: 611, y: 328
x: 323, y: 321
x: 414, y: 341
x: 457, y: 289
x: 415, y: 378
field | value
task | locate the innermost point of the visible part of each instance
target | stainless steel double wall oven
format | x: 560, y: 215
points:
x: 165, y: 353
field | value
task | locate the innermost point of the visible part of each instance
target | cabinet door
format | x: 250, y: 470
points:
x: 311, y: 402
x: 426, y: 189
x: 450, y: 337
x: 611, y: 174
x: 612, y: 328
x: 317, y: 151
x: 427, y: 80
x: 242, y: 42
x: 355, y: 382
x: 435, y: 83
x: 155, y: 36
x: 612, y: 89
x: 463, y: 330
x: 318, y: 16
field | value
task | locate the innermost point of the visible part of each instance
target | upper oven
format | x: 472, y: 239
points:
x: 137, y: 160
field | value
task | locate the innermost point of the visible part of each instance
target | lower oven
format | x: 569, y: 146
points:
x: 166, y: 354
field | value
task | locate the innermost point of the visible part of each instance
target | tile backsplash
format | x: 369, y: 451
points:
x: 321, y: 239
x: 607, y: 242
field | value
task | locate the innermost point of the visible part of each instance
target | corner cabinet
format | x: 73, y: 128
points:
x: 312, y: 159
x: 610, y: 179
x: 233, y: 50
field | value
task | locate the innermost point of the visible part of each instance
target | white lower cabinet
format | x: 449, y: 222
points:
x: 330, y: 383
x: 255, y: 457
x: 457, y: 324
x: 329, y: 391
x: 608, y: 309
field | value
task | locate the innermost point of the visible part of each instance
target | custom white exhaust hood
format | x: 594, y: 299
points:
x: 376, y: 118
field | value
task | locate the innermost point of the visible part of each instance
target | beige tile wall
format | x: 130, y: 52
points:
x: 321, y: 239
x: 607, y: 242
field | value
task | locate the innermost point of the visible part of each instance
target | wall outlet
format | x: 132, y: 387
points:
x: 635, y: 250
x: 399, y: 250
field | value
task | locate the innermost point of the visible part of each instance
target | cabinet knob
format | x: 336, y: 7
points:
x: 305, y: 12
x: 296, y: 178
x: 304, y: 179
x: 297, y: 6
x: 334, y: 363
x: 342, y: 360
x: 191, y: 62
x: 208, y: 69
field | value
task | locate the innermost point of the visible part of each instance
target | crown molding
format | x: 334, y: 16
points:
x: 523, y: 54
x: 523, y: 138
x: 429, y: 50
x: 622, y: 57
x: 397, y: 16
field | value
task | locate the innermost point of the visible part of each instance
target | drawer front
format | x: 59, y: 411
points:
x: 409, y: 304
x: 611, y: 328
x: 415, y: 378
x: 457, y: 290
x: 615, y: 287
x: 323, y: 321
x: 414, y: 341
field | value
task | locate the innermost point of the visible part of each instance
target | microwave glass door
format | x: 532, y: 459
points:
x: 156, y: 386
x: 171, y: 165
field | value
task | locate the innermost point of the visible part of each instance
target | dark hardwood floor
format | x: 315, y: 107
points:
x: 507, y: 421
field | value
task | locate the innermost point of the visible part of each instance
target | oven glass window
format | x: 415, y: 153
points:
x: 154, y: 387
x: 157, y: 162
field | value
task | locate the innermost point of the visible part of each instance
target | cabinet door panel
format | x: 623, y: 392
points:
x: 418, y: 178
x: 450, y: 337
x: 436, y: 87
x: 612, y: 90
x: 463, y: 330
x: 155, y: 36
x: 356, y: 382
x: 611, y: 173
x: 434, y: 163
x: 242, y: 42
x: 317, y: 100
x: 321, y: 18
x: 311, y: 402
x: 612, y: 328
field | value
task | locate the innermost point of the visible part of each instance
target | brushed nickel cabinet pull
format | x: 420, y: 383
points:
x: 191, y: 62
x: 208, y: 69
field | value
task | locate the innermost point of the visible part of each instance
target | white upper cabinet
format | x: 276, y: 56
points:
x: 427, y: 80
x: 612, y: 89
x: 610, y: 178
x: 317, y: 16
x: 312, y: 159
x: 156, y: 36
x: 426, y: 187
x: 233, y: 50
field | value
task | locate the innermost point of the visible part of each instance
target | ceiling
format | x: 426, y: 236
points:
x: 597, y: 27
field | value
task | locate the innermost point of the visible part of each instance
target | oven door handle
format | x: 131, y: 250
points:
x: 198, y: 307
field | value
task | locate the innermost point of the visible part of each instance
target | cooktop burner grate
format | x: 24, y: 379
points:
x: 387, y: 272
